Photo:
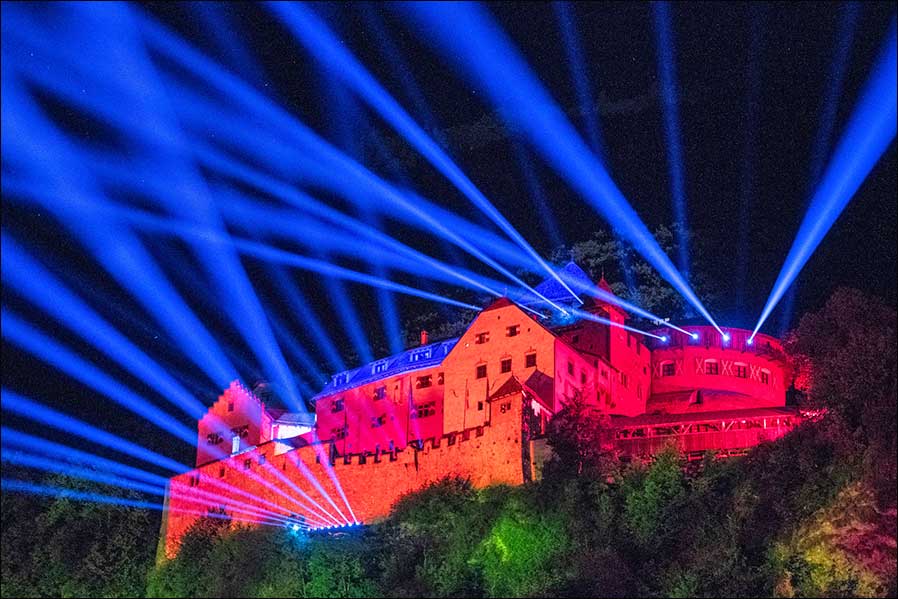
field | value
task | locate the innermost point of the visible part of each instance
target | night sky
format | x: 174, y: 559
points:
x: 751, y: 82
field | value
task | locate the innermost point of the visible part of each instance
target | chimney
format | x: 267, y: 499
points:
x: 423, y: 337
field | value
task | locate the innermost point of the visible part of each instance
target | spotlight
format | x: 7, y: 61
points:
x: 663, y: 338
x: 726, y: 337
x: 295, y: 528
x: 694, y: 336
x: 750, y: 341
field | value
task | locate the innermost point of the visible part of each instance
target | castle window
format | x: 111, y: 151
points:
x: 482, y: 337
x: 582, y: 378
x: 380, y: 392
x: 765, y: 376
x: 338, y: 433
x: 213, y: 439
x: 604, y: 374
x: 440, y: 378
x: 712, y: 367
x: 481, y: 371
x: 570, y: 368
x: 424, y: 381
x: 421, y: 354
x: 235, y: 443
x: 423, y: 410
x: 513, y: 330
x: 340, y: 379
x: 741, y: 370
x: 530, y: 361
x: 638, y: 348
x: 505, y: 365
x: 247, y: 463
x: 629, y: 339
x: 338, y: 406
x: 667, y: 369
x: 575, y: 339
x: 230, y: 406
x: 479, y: 406
x: 624, y: 380
x: 262, y: 459
x: 221, y: 472
x: 379, y: 421
x: 379, y: 367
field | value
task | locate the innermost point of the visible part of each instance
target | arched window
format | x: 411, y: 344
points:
x: 765, y: 376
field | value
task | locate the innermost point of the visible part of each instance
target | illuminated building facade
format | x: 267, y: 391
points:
x: 478, y: 406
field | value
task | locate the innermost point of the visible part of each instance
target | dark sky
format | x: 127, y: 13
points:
x: 724, y: 153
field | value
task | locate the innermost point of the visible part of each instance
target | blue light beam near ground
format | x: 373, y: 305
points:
x: 33, y: 341
x: 667, y: 72
x: 32, y: 410
x: 321, y: 42
x: 868, y: 134
x: 486, y: 55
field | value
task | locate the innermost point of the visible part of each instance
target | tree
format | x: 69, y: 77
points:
x: 849, y: 350
x: 648, y: 499
x: 428, y: 540
x: 582, y: 441
x: 192, y: 573
x: 606, y: 254
x: 63, y: 547
x: 519, y: 556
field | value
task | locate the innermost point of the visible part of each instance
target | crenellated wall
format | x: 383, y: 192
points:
x: 489, y: 454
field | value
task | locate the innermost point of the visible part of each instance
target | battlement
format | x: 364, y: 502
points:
x: 257, y: 480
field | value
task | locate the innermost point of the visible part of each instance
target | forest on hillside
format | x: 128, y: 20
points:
x: 812, y: 514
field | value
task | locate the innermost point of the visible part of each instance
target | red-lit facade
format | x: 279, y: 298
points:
x: 477, y: 406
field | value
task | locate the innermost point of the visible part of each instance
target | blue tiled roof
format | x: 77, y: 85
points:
x: 552, y: 290
x: 412, y: 359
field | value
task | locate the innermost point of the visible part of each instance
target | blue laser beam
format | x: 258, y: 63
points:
x: 118, y: 251
x: 319, y: 41
x: 32, y: 410
x: 486, y: 55
x: 341, y: 173
x: 668, y: 74
x: 850, y: 13
x: 297, y: 301
x: 564, y: 13
x: 197, y: 234
x: 28, y: 277
x: 63, y: 359
x: 867, y: 135
x: 152, y: 125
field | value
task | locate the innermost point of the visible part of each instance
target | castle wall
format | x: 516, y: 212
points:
x: 488, y: 455
x: 757, y: 371
x: 466, y: 394
x: 397, y: 409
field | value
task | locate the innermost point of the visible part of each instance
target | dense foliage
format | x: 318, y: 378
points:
x: 806, y: 516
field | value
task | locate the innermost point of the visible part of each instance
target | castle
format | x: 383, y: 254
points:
x: 478, y: 406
